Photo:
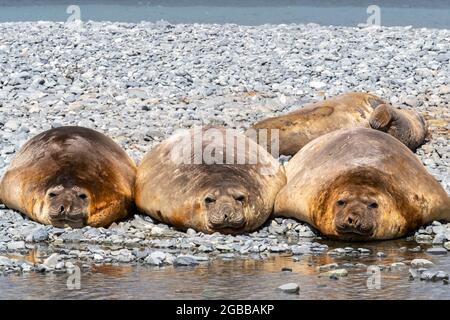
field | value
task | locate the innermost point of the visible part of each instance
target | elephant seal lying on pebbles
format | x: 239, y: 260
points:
x: 209, y: 179
x: 348, y: 110
x: 360, y: 184
x: 407, y: 126
x: 70, y: 176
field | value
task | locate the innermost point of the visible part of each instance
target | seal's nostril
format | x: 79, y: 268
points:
x: 350, y: 220
x: 61, y: 209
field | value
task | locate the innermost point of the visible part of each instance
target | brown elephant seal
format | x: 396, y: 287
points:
x: 408, y: 126
x: 290, y: 132
x: 295, y: 129
x: 209, y: 179
x: 70, y: 176
x: 361, y: 184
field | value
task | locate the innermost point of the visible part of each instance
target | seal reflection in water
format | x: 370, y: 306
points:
x: 70, y: 176
x: 209, y: 179
x: 361, y: 184
x: 347, y: 110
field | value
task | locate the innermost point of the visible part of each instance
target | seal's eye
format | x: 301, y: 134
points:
x: 209, y: 200
x: 82, y: 196
x: 340, y: 202
x: 240, y: 198
x: 52, y: 195
x: 373, y: 205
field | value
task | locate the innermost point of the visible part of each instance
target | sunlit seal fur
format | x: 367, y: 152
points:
x: 70, y: 176
x: 204, y: 179
x: 361, y: 184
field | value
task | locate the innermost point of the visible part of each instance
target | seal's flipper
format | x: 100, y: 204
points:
x: 382, y: 117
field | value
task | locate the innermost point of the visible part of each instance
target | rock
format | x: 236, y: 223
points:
x: 98, y: 257
x: 37, y: 235
x: 447, y: 245
x: 191, y: 232
x: 437, y: 251
x: 428, y: 275
x: 328, y: 267
x: 381, y: 254
x: 398, y: 265
x: 335, y: 273
x: 439, y: 238
x: 420, y: 263
x: 16, y: 245
x: 317, y: 85
x: 413, y: 274
x: 291, y: 288
x: 153, y: 261
x: 298, y: 250
x: 5, y: 262
x: 441, y: 275
x: 51, y: 261
x: 185, y: 261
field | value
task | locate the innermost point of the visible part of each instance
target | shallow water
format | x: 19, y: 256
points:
x: 417, y: 13
x: 239, y: 279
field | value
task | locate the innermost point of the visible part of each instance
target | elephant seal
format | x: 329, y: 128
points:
x: 290, y: 132
x: 70, y: 176
x: 209, y: 179
x: 360, y: 184
x: 408, y: 126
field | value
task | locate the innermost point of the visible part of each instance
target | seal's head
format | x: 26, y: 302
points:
x: 64, y: 206
x: 364, y: 205
x: 356, y: 213
x: 225, y: 209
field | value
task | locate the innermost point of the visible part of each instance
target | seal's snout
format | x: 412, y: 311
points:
x: 225, y: 211
x: 226, y: 216
x: 354, y: 219
x: 67, y: 206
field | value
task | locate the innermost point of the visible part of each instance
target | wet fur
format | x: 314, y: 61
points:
x: 72, y: 156
x: 361, y: 158
x: 174, y: 193
x: 299, y: 127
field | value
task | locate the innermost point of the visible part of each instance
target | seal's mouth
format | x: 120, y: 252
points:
x: 74, y: 223
x: 227, y: 228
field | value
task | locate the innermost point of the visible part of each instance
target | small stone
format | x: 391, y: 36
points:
x: 441, y: 275
x: 185, y: 261
x: 298, y: 250
x: 191, y: 232
x: 286, y: 269
x: 335, y: 273
x: 439, y: 238
x: 381, y: 254
x: 437, y: 251
x: 291, y: 288
x: 317, y: 84
x: 428, y: 275
x: 420, y: 263
x: 5, y: 262
x: 398, y: 265
x: 413, y: 274
x: 98, y: 257
x: 328, y: 267
x: 447, y: 245
x: 15, y: 245
x: 51, y: 261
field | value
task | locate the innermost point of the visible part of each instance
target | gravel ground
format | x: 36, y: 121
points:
x: 139, y: 82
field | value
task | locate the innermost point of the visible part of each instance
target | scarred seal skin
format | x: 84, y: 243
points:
x: 209, y: 179
x: 361, y: 184
x: 348, y: 110
x: 70, y: 176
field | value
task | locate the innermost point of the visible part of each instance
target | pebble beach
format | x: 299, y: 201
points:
x: 139, y: 83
